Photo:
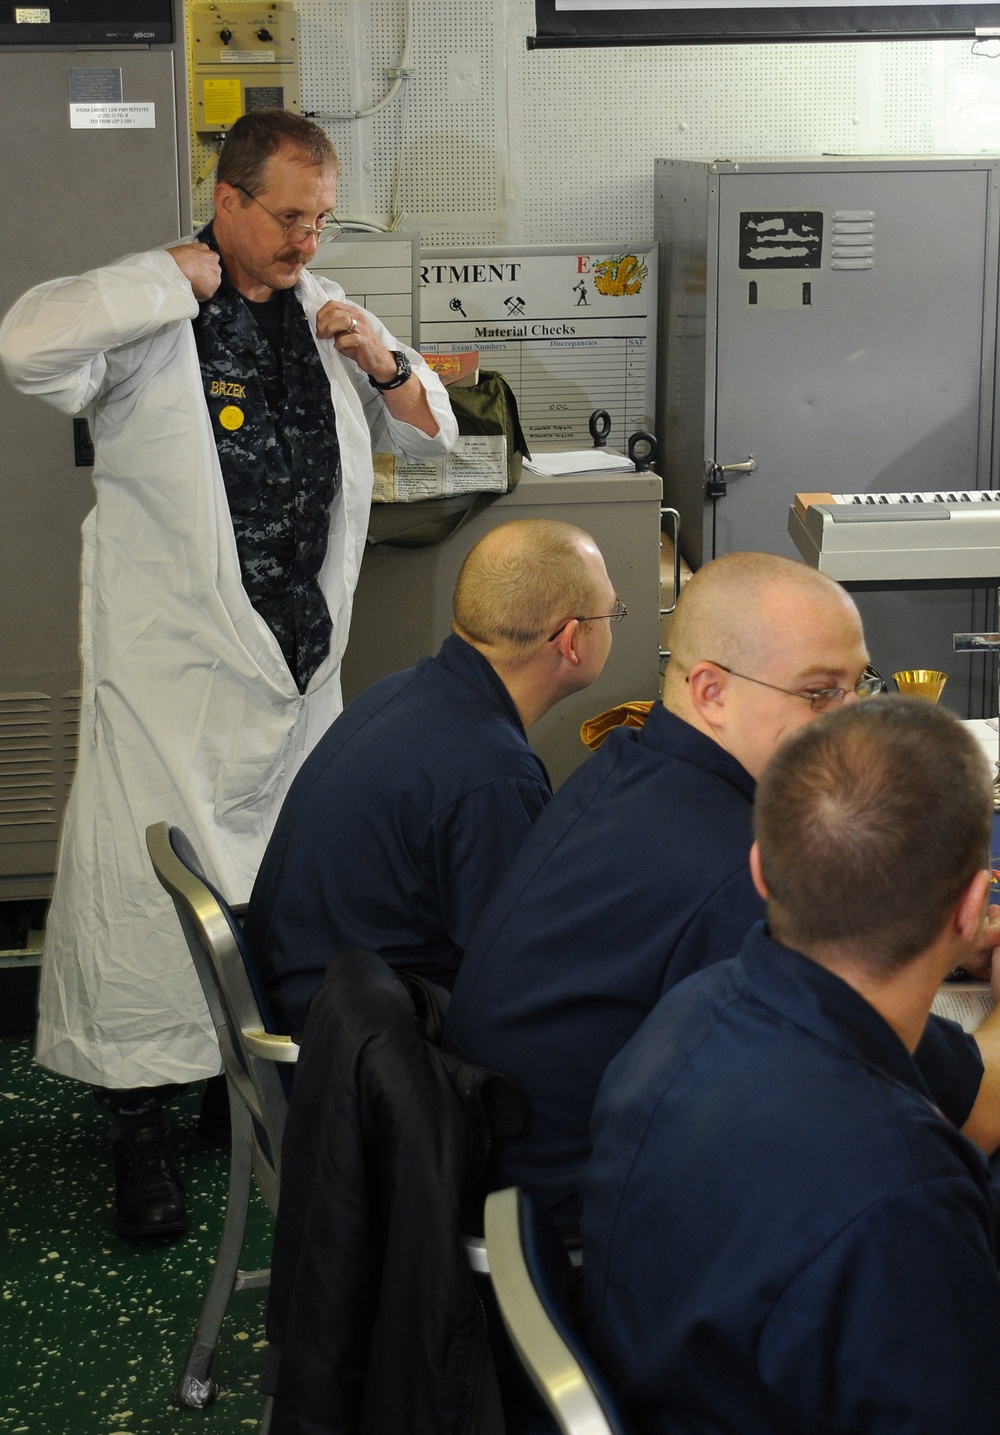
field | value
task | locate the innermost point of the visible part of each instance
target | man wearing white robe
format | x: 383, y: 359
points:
x: 190, y: 709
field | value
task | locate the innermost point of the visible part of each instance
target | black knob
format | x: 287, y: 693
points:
x: 600, y: 427
x: 225, y: 36
x: 642, y: 451
x: 263, y: 34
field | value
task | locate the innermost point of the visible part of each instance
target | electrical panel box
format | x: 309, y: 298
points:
x: 243, y: 57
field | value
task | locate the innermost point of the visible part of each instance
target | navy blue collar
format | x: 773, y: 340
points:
x: 207, y: 236
x: 670, y: 734
x: 813, y: 997
x: 467, y: 663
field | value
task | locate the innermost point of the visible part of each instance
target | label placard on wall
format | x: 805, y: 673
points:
x: 223, y: 102
x: 246, y: 57
x: 112, y: 117
x: 96, y: 85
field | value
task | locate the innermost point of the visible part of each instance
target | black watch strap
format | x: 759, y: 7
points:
x: 403, y: 372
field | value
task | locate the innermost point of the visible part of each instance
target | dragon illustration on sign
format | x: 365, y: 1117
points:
x: 621, y: 274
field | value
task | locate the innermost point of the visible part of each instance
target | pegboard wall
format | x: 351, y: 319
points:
x: 434, y: 158
x: 487, y: 142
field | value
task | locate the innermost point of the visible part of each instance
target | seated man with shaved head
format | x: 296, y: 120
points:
x: 403, y: 819
x: 782, y: 1232
x: 637, y: 872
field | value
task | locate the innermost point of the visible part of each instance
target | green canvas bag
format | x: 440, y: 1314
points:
x: 484, y: 409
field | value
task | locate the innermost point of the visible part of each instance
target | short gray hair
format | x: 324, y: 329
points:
x: 871, y: 822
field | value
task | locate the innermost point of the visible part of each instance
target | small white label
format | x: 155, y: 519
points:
x: 31, y: 17
x: 112, y: 117
x: 246, y: 57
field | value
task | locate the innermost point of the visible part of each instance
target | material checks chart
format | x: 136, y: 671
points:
x: 571, y: 331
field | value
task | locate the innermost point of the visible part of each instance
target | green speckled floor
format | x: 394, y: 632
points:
x: 93, y: 1328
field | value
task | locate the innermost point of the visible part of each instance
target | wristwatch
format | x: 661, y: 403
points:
x: 403, y: 372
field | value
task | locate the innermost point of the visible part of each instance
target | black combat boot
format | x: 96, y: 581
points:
x: 148, y: 1189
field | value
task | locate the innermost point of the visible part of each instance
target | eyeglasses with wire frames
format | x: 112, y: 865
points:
x: 620, y: 612
x: 328, y: 230
x: 819, y: 699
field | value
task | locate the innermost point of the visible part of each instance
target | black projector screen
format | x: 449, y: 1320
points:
x: 578, y: 23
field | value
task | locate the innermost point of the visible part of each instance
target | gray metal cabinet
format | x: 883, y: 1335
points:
x: 76, y: 198
x: 834, y: 321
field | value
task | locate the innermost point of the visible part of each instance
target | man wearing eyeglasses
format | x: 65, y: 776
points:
x: 637, y: 872
x: 234, y: 398
x: 408, y: 812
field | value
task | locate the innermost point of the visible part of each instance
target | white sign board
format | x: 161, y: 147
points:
x: 571, y: 330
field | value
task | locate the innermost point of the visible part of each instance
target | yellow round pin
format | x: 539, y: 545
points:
x: 231, y: 417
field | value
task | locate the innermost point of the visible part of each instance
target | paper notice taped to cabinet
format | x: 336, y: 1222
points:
x: 477, y: 464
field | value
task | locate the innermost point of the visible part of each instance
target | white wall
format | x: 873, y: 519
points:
x: 492, y: 143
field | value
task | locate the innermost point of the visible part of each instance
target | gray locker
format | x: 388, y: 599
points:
x: 76, y: 198
x: 832, y: 321
x: 402, y: 608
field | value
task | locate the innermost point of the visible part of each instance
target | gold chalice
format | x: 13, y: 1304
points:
x: 921, y: 683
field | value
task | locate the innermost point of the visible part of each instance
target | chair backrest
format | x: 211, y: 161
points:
x: 253, y: 1057
x: 532, y: 1279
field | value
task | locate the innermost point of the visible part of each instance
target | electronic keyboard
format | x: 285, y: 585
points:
x: 892, y: 538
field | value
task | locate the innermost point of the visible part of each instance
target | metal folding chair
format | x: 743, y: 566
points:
x: 258, y: 1084
x: 532, y: 1280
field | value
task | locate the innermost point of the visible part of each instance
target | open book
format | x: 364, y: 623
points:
x: 966, y: 1002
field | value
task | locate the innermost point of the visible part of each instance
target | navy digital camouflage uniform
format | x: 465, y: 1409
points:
x: 275, y: 431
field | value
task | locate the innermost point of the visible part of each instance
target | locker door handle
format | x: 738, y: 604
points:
x: 672, y: 513
x: 748, y: 465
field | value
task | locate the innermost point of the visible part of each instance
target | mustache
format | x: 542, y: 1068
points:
x: 290, y: 256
